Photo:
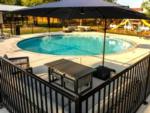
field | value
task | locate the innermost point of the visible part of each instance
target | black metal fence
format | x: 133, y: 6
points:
x: 123, y: 93
x: 22, y: 92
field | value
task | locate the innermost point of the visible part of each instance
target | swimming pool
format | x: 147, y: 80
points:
x: 73, y: 44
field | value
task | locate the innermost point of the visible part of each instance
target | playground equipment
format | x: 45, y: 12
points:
x: 145, y: 23
x: 124, y: 22
x: 127, y: 21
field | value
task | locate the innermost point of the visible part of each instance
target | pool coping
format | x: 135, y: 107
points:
x: 39, y: 59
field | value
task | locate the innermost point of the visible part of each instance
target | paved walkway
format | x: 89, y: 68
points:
x: 145, y: 108
x: 3, y: 110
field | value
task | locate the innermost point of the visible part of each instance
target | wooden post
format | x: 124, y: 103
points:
x: 1, y: 27
x: 1, y: 22
x: 48, y: 21
x: 32, y: 25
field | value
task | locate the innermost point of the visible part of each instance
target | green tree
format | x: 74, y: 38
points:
x: 34, y: 2
x: 18, y: 2
x: 31, y: 2
x: 111, y: 1
x: 146, y: 7
x: 25, y: 2
x: 45, y: 1
x: 10, y: 2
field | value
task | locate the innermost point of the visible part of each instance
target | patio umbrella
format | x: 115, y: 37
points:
x: 77, y: 9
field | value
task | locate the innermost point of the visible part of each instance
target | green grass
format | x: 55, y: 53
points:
x: 38, y: 30
x: 30, y: 30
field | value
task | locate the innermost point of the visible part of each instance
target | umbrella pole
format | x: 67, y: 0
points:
x: 32, y: 24
x: 48, y: 19
x: 104, y: 42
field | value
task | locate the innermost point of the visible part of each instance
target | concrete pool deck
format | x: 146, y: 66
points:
x: 118, y: 61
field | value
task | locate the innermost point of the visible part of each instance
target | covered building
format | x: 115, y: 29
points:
x: 6, y: 20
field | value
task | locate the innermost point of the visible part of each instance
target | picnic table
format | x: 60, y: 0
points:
x: 70, y: 75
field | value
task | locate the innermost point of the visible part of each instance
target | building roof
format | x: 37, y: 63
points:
x: 138, y: 9
x: 9, y: 8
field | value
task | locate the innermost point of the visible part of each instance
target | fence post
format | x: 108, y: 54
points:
x: 0, y: 87
x: 147, y: 82
x: 0, y: 95
x: 78, y: 105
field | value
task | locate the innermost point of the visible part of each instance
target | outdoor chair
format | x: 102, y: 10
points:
x: 147, y: 37
x: 103, y: 72
x: 69, y: 29
x: 83, y: 28
x: 22, y: 62
x: 2, y: 36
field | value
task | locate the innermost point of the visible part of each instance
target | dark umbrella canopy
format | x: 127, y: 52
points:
x: 82, y: 9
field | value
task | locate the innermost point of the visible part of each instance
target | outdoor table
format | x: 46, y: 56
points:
x: 70, y: 75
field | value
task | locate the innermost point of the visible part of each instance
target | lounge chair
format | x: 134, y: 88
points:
x: 147, y: 37
x: 83, y: 28
x: 22, y: 62
x: 69, y: 29
x: 103, y: 72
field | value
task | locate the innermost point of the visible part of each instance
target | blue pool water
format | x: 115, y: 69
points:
x: 73, y: 44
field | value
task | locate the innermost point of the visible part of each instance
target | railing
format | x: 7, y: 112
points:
x: 0, y: 96
x: 123, y: 93
x: 22, y: 92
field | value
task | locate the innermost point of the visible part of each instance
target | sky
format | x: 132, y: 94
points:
x: 131, y: 3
